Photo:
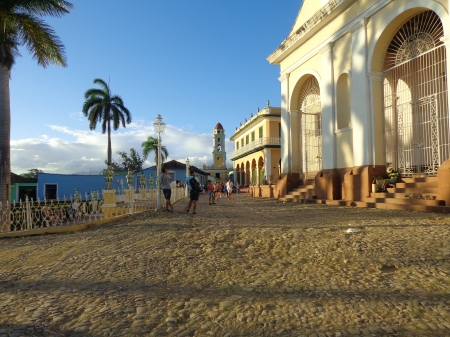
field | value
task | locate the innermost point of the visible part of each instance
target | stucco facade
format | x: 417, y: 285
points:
x: 257, y: 149
x: 350, y: 85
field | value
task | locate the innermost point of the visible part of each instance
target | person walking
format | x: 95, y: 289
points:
x: 210, y: 187
x: 229, y: 186
x: 193, y: 195
x: 166, y: 188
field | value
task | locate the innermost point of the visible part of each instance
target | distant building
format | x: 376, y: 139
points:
x: 22, y: 187
x: 257, y: 148
x: 51, y: 186
x: 218, y: 169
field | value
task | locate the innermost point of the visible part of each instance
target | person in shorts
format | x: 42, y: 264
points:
x: 166, y: 188
x: 210, y: 188
x: 193, y: 195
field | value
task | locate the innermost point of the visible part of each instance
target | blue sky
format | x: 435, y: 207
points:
x: 195, y: 62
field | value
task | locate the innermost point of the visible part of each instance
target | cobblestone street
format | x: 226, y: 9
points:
x: 242, y: 267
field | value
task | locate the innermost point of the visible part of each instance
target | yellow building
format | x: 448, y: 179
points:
x: 256, y: 156
x: 364, y: 85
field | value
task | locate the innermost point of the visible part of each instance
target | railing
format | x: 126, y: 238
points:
x: 29, y: 214
x: 261, y: 142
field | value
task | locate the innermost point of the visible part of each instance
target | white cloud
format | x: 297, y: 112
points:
x: 87, y: 151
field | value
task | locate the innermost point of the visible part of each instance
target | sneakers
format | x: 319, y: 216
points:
x: 194, y: 212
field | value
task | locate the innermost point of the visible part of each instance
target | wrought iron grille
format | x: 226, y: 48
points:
x: 311, y: 124
x: 416, y: 99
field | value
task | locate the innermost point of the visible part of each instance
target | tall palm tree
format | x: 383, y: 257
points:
x: 21, y: 25
x: 151, y: 144
x: 102, y: 106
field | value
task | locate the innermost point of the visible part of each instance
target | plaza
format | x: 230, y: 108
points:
x: 244, y: 267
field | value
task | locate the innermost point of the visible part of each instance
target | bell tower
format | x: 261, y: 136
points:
x: 218, y: 170
x: 219, y: 154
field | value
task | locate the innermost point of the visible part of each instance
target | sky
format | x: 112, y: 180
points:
x: 196, y: 63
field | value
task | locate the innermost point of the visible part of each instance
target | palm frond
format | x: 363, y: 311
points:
x: 40, y: 40
x: 54, y: 8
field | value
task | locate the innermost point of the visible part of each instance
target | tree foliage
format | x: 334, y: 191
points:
x: 151, y: 145
x: 32, y: 173
x: 22, y: 26
x: 134, y: 162
x: 102, y: 106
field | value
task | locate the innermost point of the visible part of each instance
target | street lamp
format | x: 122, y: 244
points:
x: 159, y: 128
x: 186, y: 188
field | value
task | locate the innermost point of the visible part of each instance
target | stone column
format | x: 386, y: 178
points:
x: 286, y: 152
x: 296, y: 143
x: 361, y: 121
x: 376, y: 98
x: 268, y: 163
x: 328, y: 108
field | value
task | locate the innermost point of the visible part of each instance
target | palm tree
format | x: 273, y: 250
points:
x: 102, y: 106
x: 151, y: 144
x: 21, y: 25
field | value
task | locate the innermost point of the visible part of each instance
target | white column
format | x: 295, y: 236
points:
x: 296, y: 150
x: 327, y: 101
x: 361, y: 122
x: 375, y: 108
x: 285, y: 125
x: 267, y: 163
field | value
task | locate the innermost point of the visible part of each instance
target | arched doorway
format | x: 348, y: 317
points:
x: 311, y: 127
x: 415, y: 97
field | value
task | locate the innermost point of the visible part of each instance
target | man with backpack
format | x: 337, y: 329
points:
x: 194, y: 191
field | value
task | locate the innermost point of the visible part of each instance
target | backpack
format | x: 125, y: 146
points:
x: 194, y: 184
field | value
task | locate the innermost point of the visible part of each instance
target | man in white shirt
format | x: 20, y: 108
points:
x: 229, y: 186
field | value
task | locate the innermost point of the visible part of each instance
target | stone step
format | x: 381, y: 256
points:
x: 302, y: 189
x: 433, y: 184
x: 407, y: 207
x: 393, y: 194
x: 425, y: 190
x: 419, y: 180
x: 426, y: 202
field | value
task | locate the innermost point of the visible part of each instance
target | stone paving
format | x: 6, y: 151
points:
x: 244, y: 267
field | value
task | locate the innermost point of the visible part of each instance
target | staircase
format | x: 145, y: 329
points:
x: 302, y: 192
x: 414, y: 194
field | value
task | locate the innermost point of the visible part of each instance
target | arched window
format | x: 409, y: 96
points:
x: 415, y: 97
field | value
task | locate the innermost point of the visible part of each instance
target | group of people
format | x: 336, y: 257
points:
x: 214, y: 190
x: 51, y: 218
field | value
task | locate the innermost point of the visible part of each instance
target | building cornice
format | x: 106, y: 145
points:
x: 367, y: 13
x: 320, y: 16
x: 262, y: 114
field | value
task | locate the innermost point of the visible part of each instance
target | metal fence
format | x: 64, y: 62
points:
x: 35, y: 214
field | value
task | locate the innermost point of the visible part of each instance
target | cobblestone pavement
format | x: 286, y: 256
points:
x: 243, y: 267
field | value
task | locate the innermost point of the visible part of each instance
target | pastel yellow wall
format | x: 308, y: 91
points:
x: 270, y: 129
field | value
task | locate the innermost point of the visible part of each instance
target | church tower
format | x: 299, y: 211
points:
x: 219, y: 154
x: 218, y: 170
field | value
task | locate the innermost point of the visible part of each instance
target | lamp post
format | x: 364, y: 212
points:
x: 186, y: 188
x: 159, y: 128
